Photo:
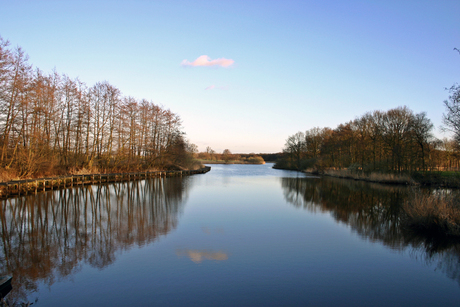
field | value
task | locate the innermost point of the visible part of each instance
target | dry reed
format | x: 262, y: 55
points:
x: 436, y: 213
x: 7, y: 175
x: 373, y: 177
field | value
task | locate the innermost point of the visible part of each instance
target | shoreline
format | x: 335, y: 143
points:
x: 435, y: 179
x: 427, y: 179
x: 433, y: 216
x: 374, y: 178
x: 229, y: 162
x: 34, y: 186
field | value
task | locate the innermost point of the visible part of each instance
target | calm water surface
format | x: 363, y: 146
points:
x: 240, y: 235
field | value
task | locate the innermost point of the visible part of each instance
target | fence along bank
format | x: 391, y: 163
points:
x: 33, y: 186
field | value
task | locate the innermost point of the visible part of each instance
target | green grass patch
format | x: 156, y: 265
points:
x: 442, y: 179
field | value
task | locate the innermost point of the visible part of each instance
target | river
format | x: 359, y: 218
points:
x: 240, y: 235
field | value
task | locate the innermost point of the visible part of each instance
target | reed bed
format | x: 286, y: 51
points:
x: 372, y: 177
x: 434, y: 213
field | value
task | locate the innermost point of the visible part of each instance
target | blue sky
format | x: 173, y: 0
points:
x: 296, y: 64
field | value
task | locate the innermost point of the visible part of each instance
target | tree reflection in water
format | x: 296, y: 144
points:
x: 374, y: 212
x: 49, y: 236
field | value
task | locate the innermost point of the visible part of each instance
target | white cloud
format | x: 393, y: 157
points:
x: 204, y: 60
x: 211, y: 87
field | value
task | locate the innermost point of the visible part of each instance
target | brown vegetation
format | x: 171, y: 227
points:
x: 372, y: 177
x: 226, y: 157
x: 435, y: 213
x: 51, y: 124
x: 393, y: 142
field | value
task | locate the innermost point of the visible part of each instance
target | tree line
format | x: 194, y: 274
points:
x: 52, y: 124
x: 211, y: 156
x: 397, y: 140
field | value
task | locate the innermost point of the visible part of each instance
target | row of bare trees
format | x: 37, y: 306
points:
x: 53, y: 123
x: 227, y: 156
x: 397, y: 140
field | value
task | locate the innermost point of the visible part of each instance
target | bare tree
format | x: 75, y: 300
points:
x: 49, y: 121
x: 295, y: 148
x: 211, y: 152
x: 421, y: 131
x: 226, y: 155
x: 451, y: 118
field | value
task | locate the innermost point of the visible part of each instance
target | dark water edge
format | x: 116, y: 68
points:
x: 37, y: 185
x: 374, y: 212
x: 46, y: 237
x: 239, y: 235
x: 432, y: 179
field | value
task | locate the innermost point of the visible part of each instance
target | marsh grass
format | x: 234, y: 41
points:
x: 372, y: 177
x: 442, y: 178
x: 7, y: 175
x: 83, y: 171
x: 248, y: 161
x: 435, y: 213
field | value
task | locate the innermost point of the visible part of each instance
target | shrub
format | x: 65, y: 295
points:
x: 255, y: 160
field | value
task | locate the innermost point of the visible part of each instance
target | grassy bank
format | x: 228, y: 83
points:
x: 7, y: 175
x: 372, y: 177
x: 433, y: 214
x: 232, y: 161
x: 439, y: 179
x: 433, y: 179
x: 33, y: 186
x: 426, y: 213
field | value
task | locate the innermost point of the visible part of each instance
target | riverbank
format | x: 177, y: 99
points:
x: 33, y: 186
x: 445, y: 179
x: 430, y: 215
x: 372, y: 177
x: 437, y: 179
x: 428, y: 179
x: 231, y: 162
x: 433, y: 214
